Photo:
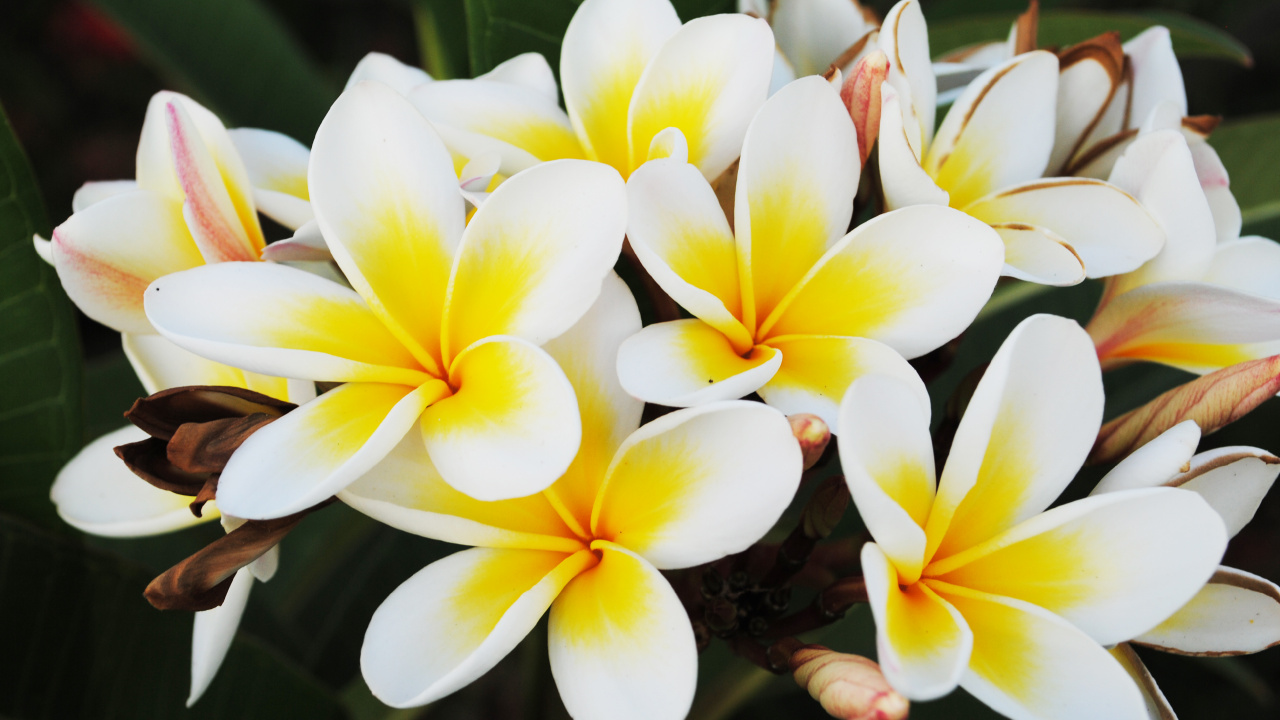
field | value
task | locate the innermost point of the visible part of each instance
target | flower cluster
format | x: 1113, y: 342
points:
x: 443, y: 345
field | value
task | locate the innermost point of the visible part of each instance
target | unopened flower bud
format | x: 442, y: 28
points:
x: 848, y: 687
x: 861, y: 95
x: 825, y: 508
x: 812, y: 434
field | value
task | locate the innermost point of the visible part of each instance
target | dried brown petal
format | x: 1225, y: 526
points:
x: 207, y: 446
x: 161, y: 414
x: 148, y: 460
x: 1026, y: 29
x: 848, y: 687
x: 825, y: 508
x: 1213, y: 401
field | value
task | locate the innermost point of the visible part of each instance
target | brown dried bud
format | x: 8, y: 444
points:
x: 812, y: 434
x: 825, y: 508
x: 193, y: 432
x: 200, y: 582
x: 848, y: 687
x: 861, y: 95
x: 1026, y: 28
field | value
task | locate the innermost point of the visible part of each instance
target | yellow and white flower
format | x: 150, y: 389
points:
x: 629, y: 70
x: 975, y: 583
x: 987, y: 158
x: 439, y: 337
x: 813, y: 34
x: 1237, y: 612
x: 686, y: 489
x: 1200, y: 304
x: 788, y: 303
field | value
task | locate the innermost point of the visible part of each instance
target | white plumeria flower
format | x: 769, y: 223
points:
x: 788, y: 303
x: 1200, y: 304
x: 987, y: 159
x: 440, y: 337
x: 629, y: 70
x: 687, y: 489
x: 813, y: 34
x: 1237, y: 612
x: 975, y: 583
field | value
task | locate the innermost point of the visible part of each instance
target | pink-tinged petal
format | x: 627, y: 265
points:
x: 681, y: 236
x: 456, y: 618
x: 107, y: 255
x: 1117, y: 235
x: 708, y: 79
x: 213, y: 633
x: 95, y: 492
x: 381, y: 68
x: 912, y: 278
x: 699, y: 484
x: 1217, y: 190
x: 901, y: 176
x: 533, y: 257
x: 404, y: 490
x: 999, y: 131
x: 1194, y: 326
x: 44, y: 248
x: 796, y: 183
x: 1158, y: 170
x: 1213, y: 401
x: 862, y: 96
x: 1039, y: 255
x: 277, y: 320
x: 588, y: 354
x: 475, y: 117
x: 682, y: 363
x: 887, y: 457
x: 904, y: 38
x: 313, y: 452
x: 386, y: 198
x: 92, y: 193
x: 1233, y: 480
x: 1156, y: 75
x: 306, y: 245
x: 922, y: 642
x: 1028, y: 663
x: 1249, y: 264
x: 606, y: 48
x: 816, y: 371
x: 527, y: 70
x: 512, y: 425
x: 813, y: 34
x: 1156, y: 462
x: 218, y: 205
x: 1113, y: 565
x: 1021, y: 439
x: 620, y: 642
x: 1236, y: 613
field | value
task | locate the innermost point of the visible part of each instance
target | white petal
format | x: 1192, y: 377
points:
x: 1039, y: 255
x: 92, y: 193
x: 696, y: 485
x: 213, y: 633
x: 903, y: 179
x: 1233, y: 480
x: 1236, y: 613
x: 683, y: 363
x: 904, y: 38
x: 97, y: 493
x: 1217, y: 189
x: 1156, y: 75
x: 1249, y: 264
x: 387, y: 70
x: 1156, y: 462
x: 273, y: 160
x: 813, y: 34
x: 528, y: 70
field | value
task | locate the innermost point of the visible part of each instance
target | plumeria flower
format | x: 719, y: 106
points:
x: 194, y: 202
x: 1200, y: 304
x: 629, y: 70
x: 987, y: 158
x: 439, y: 338
x: 683, y: 490
x: 975, y: 583
x: 788, y: 303
x: 814, y: 34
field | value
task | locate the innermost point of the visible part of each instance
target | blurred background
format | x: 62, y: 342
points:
x: 75, y: 78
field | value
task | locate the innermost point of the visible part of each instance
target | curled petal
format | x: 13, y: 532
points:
x: 1233, y: 480
x: 1156, y: 462
x: 1236, y: 613
x: 683, y: 363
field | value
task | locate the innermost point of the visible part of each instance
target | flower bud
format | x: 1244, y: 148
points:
x: 861, y: 95
x: 812, y: 434
x: 848, y: 687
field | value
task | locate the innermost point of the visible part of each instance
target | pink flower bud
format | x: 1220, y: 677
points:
x: 848, y: 687
x: 861, y: 95
x: 812, y: 434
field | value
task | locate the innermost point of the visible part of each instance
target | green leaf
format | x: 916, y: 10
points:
x: 1250, y: 150
x: 441, y: 27
x: 40, y: 396
x: 234, y: 56
x: 501, y: 29
x: 1191, y: 37
x: 87, y: 645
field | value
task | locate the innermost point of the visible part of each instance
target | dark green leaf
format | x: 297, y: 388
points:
x: 39, y: 350
x: 1191, y: 37
x: 441, y: 27
x: 83, y: 643
x: 110, y: 387
x: 233, y: 55
x: 1250, y: 149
